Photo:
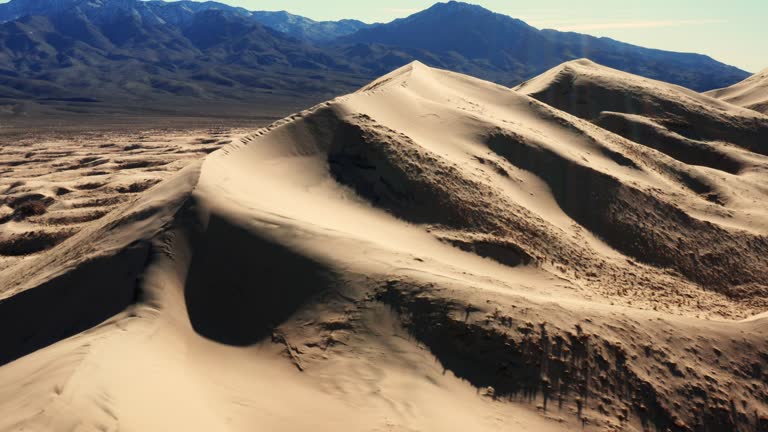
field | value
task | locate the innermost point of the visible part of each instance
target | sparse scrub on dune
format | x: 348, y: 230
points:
x: 136, y: 187
x: 30, y: 208
x: 32, y: 242
x: 582, y: 368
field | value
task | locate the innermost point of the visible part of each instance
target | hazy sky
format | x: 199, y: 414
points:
x: 732, y: 31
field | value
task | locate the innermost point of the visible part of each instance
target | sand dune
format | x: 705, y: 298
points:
x: 54, y: 184
x: 602, y: 94
x: 751, y: 93
x: 433, y: 252
x: 717, y: 149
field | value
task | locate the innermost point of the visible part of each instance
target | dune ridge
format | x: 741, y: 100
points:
x: 432, y: 252
x: 751, y: 93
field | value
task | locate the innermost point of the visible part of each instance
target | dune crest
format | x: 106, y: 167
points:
x: 432, y: 252
x: 751, y: 93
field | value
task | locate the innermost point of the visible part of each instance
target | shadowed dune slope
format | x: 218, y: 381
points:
x: 432, y: 252
x: 592, y: 91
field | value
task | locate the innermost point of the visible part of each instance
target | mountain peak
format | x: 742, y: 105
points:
x: 468, y: 38
x: 457, y: 5
x: 457, y: 8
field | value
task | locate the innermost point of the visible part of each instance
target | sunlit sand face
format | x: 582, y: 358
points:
x: 433, y: 251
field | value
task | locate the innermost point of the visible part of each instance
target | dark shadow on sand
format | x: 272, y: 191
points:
x: 70, y: 303
x: 240, y: 286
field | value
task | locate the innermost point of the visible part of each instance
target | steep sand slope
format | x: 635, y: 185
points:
x: 600, y: 94
x: 751, y: 93
x: 433, y: 252
x: 721, y: 146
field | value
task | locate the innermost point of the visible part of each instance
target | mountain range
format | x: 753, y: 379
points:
x: 77, y: 54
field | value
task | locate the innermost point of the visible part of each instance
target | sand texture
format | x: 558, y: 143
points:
x: 751, y: 93
x: 588, y: 251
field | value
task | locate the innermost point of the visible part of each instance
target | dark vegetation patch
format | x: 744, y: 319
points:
x: 89, y: 186
x: 76, y: 219
x: 32, y: 242
x: 27, y: 206
x: 136, y: 187
x: 99, y: 202
x: 140, y: 164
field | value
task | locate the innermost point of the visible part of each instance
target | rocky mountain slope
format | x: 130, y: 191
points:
x: 473, y: 40
x: 91, y: 56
